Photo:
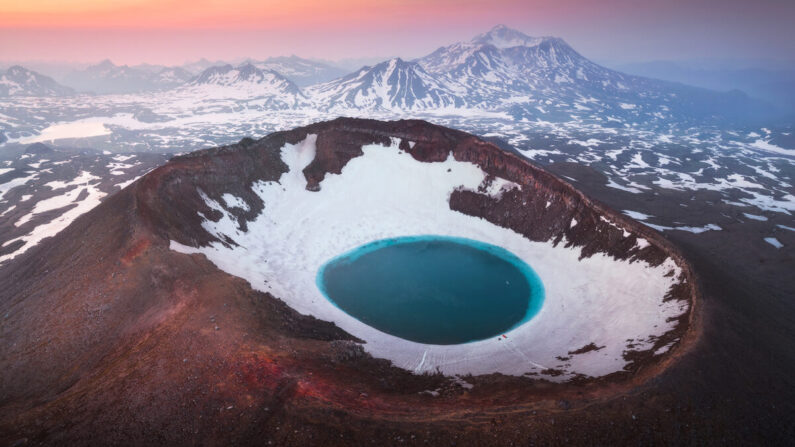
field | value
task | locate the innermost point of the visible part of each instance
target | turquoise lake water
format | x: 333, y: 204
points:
x: 433, y: 289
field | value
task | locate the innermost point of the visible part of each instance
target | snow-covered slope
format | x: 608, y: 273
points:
x: 537, y: 73
x: 544, y: 78
x: 170, y: 77
x: 303, y: 72
x: 247, y: 82
x: 200, y: 65
x: 391, y: 85
x: 19, y: 81
x: 503, y: 37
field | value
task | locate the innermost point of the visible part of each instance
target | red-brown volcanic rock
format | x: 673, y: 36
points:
x: 108, y: 336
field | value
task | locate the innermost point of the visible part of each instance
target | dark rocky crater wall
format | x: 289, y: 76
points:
x: 109, y: 335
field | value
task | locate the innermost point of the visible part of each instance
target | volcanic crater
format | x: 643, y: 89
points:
x: 190, y: 298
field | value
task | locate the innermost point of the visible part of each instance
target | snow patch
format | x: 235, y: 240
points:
x: 755, y: 217
x: 637, y: 215
x: 765, y: 146
x: 235, y: 202
x: 75, y: 129
x: 774, y: 242
x: 695, y: 230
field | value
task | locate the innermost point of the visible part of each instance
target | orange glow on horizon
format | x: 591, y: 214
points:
x: 168, y: 31
x: 214, y: 14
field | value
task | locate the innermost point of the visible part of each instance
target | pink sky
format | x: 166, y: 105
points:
x: 175, y: 31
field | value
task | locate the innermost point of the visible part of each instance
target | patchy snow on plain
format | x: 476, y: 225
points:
x: 689, y: 229
x: 53, y: 203
x: 11, y: 184
x: 766, y: 146
x: 755, y: 217
x: 37, y: 234
x: 637, y: 215
x: 774, y: 242
x: 612, y: 184
x: 592, y: 300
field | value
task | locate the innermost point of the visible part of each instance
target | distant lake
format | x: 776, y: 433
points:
x: 433, y: 289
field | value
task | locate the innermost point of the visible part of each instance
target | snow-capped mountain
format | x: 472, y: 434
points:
x: 227, y: 75
x: 545, y: 78
x: 503, y: 37
x: 505, y: 67
x: 200, y: 65
x: 497, y: 77
x: 536, y: 78
x: 170, y: 77
x: 248, y: 82
x: 106, y: 77
x: 392, y: 85
x: 511, y: 57
x: 303, y: 72
x: 19, y: 81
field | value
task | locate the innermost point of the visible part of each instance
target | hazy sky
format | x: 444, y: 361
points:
x: 175, y: 31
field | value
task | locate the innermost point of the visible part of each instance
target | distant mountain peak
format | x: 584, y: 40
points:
x: 503, y: 37
x: 248, y: 81
x: 20, y: 81
x: 249, y: 72
x: 210, y: 75
x: 388, y: 67
x: 106, y: 77
x: 394, y: 84
x: 395, y: 63
x: 303, y: 72
x: 244, y: 73
x: 17, y: 70
x: 107, y: 65
x: 104, y: 64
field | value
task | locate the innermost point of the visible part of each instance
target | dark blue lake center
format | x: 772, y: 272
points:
x: 433, y: 289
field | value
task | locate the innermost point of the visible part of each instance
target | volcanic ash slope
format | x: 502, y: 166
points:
x: 614, y: 296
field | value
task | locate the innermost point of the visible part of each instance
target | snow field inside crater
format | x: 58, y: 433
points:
x: 385, y: 194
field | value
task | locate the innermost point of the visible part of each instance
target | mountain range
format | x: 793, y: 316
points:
x: 19, y: 81
x: 393, y: 85
x: 247, y: 82
x: 537, y: 78
x: 502, y: 71
x: 303, y: 72
x: 106, y: 77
